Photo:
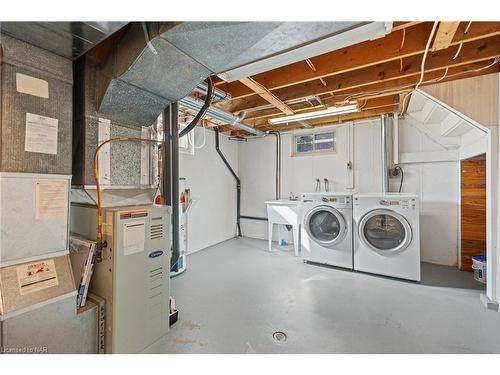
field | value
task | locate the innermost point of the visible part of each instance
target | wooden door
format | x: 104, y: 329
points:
x: 472, y: 209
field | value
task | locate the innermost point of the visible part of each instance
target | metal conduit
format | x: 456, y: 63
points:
x: 219, y: 114
x: 217, y: 94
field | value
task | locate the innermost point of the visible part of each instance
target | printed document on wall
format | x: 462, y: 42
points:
x: 41, y: 134
x: 51, y: 199
x: 33, y: 277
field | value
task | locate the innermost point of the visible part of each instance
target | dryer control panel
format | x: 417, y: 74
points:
x: 403, y: 203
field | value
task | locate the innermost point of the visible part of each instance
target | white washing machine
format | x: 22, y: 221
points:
x: 386, y: 235
x: 326, y: 230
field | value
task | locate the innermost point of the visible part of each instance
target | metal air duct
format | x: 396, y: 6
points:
x: 159, y: 63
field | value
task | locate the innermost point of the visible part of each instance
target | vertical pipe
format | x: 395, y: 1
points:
x: 166, y: 162
x: 395, y: 132
x: 278, y: 165
x: 385, y: 174
x: 237, y: 179
x: 174, y: 131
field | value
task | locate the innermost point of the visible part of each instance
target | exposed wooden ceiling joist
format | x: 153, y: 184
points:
x: 444, y: 36
x: 477, y: 51
x: 361, y: 55
x: 390, y: 88
x: 266, y: 95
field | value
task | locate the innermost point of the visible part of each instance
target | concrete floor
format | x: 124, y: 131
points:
x: 235, y: 295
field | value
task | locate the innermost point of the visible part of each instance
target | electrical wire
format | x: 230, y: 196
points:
x: 403, y: 40
x: 458, y: 51
x: 424, y: 57
x: 398, y: 168
x: 467, y: 28
x: 426, y: 51
x: 443, y: 76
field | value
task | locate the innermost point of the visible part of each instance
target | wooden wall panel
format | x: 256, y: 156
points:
x: 472, y: 210
x: 475, y: 97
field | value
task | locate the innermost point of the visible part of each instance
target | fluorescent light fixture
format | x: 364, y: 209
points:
x: 369, y: 31
x: 332, y: 111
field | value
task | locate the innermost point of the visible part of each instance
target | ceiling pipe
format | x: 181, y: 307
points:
x: 219, y: 114
x: 217, y: 94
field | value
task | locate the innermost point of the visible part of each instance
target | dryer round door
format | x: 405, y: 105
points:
x: 385, y: 232
x: 325, y: 225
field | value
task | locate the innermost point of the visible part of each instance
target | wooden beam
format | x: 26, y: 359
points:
x: 406, y: 84
x: 477, y: 51
x: 388, y: 89
x: 444, y: 36
x: 399, y: 25
x: 266, y: 95
x: 361, y: 55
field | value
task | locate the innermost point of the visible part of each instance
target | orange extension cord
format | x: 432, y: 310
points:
x: 95, y: 166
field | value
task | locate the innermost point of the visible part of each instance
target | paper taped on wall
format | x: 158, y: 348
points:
x: 51, y: 199
x: 32, y: 86
x: 41, y: 134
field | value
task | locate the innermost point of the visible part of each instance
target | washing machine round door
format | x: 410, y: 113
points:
x: 385, y: 231
x: 325, y: 225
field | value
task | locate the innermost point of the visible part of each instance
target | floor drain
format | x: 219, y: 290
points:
x: 279, y: 336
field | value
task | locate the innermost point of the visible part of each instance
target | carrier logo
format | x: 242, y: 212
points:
x: 156, y: 254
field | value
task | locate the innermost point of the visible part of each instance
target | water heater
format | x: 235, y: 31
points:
x: 133, y: 276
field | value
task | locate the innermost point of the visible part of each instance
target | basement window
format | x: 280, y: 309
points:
x: 186, y: 143
x: 314, y: 143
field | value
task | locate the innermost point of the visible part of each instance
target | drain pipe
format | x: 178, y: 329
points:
x: 278, y: 163
x: 238, y: 182
x: 174, y: 154
x: 384, y: 152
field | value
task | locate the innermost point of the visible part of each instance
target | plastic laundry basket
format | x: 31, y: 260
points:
x: 479, y: 267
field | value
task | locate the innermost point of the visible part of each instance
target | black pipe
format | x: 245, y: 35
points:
x: 253, y: 218
x: 174, y: 131
x: 238, y: 182
x: 201, y: 112
x: 166, y: 164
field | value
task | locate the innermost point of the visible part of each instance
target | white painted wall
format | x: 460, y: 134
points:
x: 212, y: 218
x: 437, y: 183
x: 299, y: 173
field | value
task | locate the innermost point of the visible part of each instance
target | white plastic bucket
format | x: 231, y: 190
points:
x: 479, y: 268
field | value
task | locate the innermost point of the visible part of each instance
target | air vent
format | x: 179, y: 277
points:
x: 156, y: 231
